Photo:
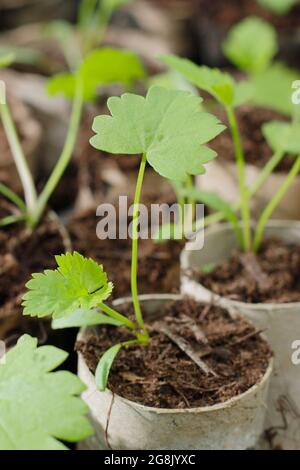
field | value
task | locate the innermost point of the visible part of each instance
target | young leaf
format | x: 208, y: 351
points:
x: 104, y: 366
x: 241, y: 45
x: 167, y: 126
x: 215, y: 82
x: 78, y: 282
x: 38, y: 407
x: 219, y: 84
x: 283, y: 136
x: 100, y: 67
x: 280, y: 7
x: 81, y: 317
x: 272, y: 88
x: 6, y: 59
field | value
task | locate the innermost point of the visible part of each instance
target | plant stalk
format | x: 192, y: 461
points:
x: 117, y: 316
x: 263, y: 175
x: 134, y: 255
x: 19, y: 159
x: 240, y: 160
x: 65, y: 156
x: 271, y: 206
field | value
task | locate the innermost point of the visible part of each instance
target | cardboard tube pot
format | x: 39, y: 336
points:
x: 121, y: 424
x: 226, y: 172
x: 281, y: 323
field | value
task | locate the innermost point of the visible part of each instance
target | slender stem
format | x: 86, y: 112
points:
x: 134, y: 255
x: 274, y: 203
x: 65, y: 156
x: 11, y: 219
x: 19, y: 158
x: 240, y: 159
x: 191, y: 200
x: 262, y: 176
x: 117, y: 316
x: 13, y: 197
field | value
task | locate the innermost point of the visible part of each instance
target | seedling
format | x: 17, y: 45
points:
x: 39, y: 408
x: 270, y: 81
x: 169, y: 130
x: 100, y: 67
x: 283, y: 138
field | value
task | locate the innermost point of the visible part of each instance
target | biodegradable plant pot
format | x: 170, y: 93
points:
x: 224, y: 171
x: 30, y: 134
x: 234, y: 424
x: 281, y: 322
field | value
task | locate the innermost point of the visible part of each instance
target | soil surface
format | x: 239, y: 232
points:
x: 257, y: 151
x: 162, y: 375
x: 21, y: 254
x: 273, y: 276
x: 159, y: 269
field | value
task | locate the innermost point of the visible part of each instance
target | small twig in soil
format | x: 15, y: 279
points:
x: 181, y: 394
x: 195, y: 329
x: 252, y: 267
x: 246, y: 337
x: 187, y: 349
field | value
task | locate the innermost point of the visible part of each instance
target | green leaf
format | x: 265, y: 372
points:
x: 283, y: 136
x: 208, y: 268
x: 20, y: 55
x: 280, y: 7
x: 244, y: 92
x: 83, y: 317
x: 104, y: 366
x: 167, y: 126
x: 100, y: 67
x: 251, y: 44
x: 272, y: 88
x: 38, y: 407
x: 219, y: 84
x: 6, y: 59
x: 172, y: 81
x: 213, y: 201
x: 78, y: 282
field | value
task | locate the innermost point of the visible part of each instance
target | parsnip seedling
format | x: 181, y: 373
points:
x: 39, y: 408
x: 100, y: 67
x: 222, y: 87
x: 169, y: 130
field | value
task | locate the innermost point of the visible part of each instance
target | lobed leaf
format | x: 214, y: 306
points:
x: 167, y: 126
x: 78, y: 282
x: 283, y: 136
x: 39, y: 408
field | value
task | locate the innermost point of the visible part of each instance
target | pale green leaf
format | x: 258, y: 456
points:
x: 6, y: 59
x: 81, y: 317
x: 283, y: 136
x: 280, y: 7
x: 39, y: 408
x: 104, y: 366
x: 78, y: 282
x: 219, y: 84
x: 167, y: 126
x: 100, y: 67
x: 272, y: 88
x: 244, y: 92
x: 251, y: 44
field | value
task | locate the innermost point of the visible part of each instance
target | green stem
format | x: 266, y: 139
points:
x: 274, y: 203
x: 134, y: 255
x: 191, y: 200
x: 19, y: 158
x: 12, y: 219
x: 263, y: 175
x: 240, y: 160
x: 13, y: 197
x: 65, y: 156
x: 117, y: 316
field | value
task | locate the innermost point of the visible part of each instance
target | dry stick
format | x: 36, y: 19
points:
x: 195, y: 329
x: 248, y: 336
x: 188, y: 350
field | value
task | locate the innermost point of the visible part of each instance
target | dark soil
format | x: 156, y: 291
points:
x: 162, y: 375
x: 158, y: 263
x: 22, y: 253
x: 257, y: 151
x: 230, y: 12
x: 273, y: 276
